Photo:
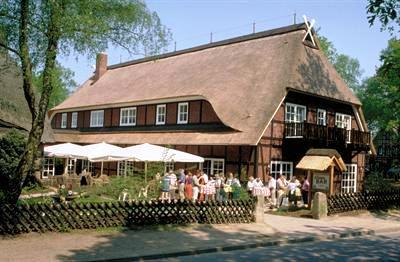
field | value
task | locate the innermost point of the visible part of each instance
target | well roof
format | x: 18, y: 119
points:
x: 244, y: 79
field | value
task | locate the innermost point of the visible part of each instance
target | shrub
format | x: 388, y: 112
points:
x: 374, y: 182
x: 12, y: 146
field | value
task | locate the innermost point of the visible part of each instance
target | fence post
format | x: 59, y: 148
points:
x: 320, y: 206
x: 259, y: 211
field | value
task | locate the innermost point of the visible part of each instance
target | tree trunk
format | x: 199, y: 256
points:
x: 25, y: 165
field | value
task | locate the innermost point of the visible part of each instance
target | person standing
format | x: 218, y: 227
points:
x: 173, y: 183
x: 218, y: 185
x: 281, y: 187
x: 304, y: 191
x: 181, y: 184
x: 250, y: 185
x: 196, y: 187
x: 189, y: 186
x: 271, y: 183
x: 165, y: 187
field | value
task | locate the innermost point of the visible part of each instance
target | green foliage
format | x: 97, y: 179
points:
x: 374, y: 182
x: 386, y: 11
x: 11, y: 148
x: 380, y: 94
x: 132, y: 184
x: 86, y: 27
x: 347, y: 67
x: 63, y: 84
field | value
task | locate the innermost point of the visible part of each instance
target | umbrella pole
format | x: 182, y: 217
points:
x: 145, y: 172
x: 101, y: 172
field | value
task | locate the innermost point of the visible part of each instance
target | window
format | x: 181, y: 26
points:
x: 321, y: 117
x: 128, y: 116
x: 47, y: 167
x: 183, y: 112
x: 126, y: 168
x: 71, y: 164
x: 64, y: 120
x: 160, y: 115
x: 295, y: 114
x: 213, y: 166
x: 278, y: 168
x: 96, y: 118
x: 344, y: 121
x: 74, y: 120
x: 169, y: 166
x: 349, y: 180
x: 88, y: 165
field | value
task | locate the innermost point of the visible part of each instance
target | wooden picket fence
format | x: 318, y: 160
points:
x: 363, y: 200
x: 64, y: 217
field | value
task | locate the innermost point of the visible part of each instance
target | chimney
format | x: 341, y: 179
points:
x: 101, y: 66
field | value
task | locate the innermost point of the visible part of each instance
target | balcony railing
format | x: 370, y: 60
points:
x: 310, y: 131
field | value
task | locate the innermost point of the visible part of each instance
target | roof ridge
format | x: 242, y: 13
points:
x: 238, y: 39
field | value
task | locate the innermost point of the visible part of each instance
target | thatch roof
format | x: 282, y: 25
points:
x: 320, y: 159
x: 14, y: 110
x: 244, y: 79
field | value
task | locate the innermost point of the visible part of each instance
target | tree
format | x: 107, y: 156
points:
x: 347, y: 67
x: 380, y: 94
x: 386, y: 11
x: 36, y: 31
x: 63, y: 84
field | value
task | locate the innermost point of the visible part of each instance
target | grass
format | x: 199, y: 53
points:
x: 293, y: 212
x: 35, y: 189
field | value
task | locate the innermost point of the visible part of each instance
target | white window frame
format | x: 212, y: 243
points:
x: 292, y: 116
x: 349, y: 179
x: 275, y: 173
x: 168, y: 166
x: 161, y: 114
x: 88, y: 165
x: 212, y: 170
x: 125, y: 168
x: 97, y: 118
x: 71, y: 166
x: 48, y: 167
x: 74, y: 120
x: 64, y: 119
x: 344, y: 121
x: 183, y: 116
x: 321, y: 117
x: 127, y: 116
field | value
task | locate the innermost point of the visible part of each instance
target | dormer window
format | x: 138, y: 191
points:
x: 64, y: 120
x: 96, y: 118
x: 183, y: 113
x: 128, y: 116
x: 160, y: 115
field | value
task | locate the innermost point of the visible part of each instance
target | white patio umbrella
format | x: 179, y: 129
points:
x: 103, y: 152
x: 152, y: 153
x: 66, y: 150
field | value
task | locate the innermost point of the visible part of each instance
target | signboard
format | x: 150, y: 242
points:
x: 320, y: 182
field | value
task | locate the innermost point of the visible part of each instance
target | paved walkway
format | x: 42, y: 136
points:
x: 158, y: 241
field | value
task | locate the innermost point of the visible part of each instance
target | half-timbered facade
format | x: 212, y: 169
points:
x: 249, y: 105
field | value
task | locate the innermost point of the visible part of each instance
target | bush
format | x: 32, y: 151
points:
x: 131, y: 184
x: 374, y: 182
x: 12, y: 146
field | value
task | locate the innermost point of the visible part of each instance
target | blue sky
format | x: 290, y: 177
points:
x: 344, y: 22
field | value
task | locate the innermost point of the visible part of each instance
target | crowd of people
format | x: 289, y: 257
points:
x: 276, y: 190
x: 198, y: 186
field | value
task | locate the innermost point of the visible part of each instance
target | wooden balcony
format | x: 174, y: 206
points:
x: 330, y: 136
